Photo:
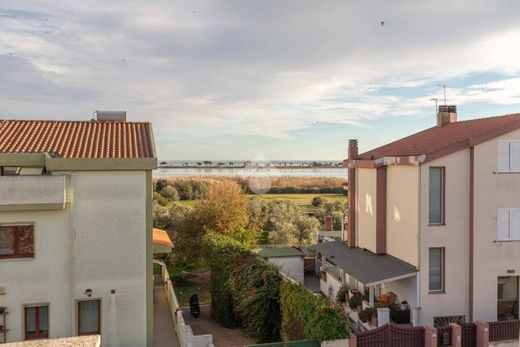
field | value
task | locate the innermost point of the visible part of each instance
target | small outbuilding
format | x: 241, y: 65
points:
x: 289, y: 259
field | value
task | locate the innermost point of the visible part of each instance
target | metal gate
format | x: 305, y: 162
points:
x: 391, y: 335
x: 301, y: 343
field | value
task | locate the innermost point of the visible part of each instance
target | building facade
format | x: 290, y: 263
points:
x: 445, y: 201
x: 76, y: 230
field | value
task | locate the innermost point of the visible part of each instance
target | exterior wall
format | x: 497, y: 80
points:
x: 453, y: 235
x: 366, y: 209
x: 291, y: 266
x: 405, y: 289
x: 34, y: 192
x: 107, y: 213
x: 110, y: 251
x: 402, y: 216
x: 492, y: 259
x: 43, y: 279
x: 331, y: 286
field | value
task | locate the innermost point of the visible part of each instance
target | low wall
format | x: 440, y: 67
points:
x: 510, y: 343
x: 184, y: 332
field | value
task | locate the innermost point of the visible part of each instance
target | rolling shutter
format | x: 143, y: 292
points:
x: 515, y: 156
x: 503, y: 156
x: 514, y: 224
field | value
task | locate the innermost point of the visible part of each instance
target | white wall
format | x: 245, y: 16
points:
x: 331, y: 283
x: 42, y: 279
x: 454, y: 236
x: 291, y: 266
x: 366, y: 195
x: 109, y: 253
x: 110, y: 250
x: 493, y: 190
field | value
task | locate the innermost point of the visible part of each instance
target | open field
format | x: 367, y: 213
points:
x: 299, y: 199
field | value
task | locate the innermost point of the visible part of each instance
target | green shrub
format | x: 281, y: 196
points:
x: 367, y: 314
x: 341, y: 296
x: 305, y: 316
x: 161, y: 200
x: 355, y: 301
x: 317, y: 201
x: 170, y: 193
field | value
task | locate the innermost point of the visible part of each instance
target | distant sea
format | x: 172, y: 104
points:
x: 296, y: 168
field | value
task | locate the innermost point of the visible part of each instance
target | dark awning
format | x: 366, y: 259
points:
x: 365, y: 266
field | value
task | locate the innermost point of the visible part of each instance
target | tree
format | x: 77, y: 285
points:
x: 170, y: 193
x: 317, y: 201
x: 161, y: 219
x: 335, y: 209
x: 223, y: 209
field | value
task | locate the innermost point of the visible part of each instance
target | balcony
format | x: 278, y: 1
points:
x: 32, y: 193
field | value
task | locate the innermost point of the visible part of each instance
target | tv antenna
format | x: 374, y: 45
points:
x: 443, y: 85
x: 436, y: 103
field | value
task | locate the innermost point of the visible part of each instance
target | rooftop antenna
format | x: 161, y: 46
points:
x: 436, y: 103
x: 443, y: 85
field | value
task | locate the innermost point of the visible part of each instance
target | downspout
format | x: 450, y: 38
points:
x: 73, y: 245
x: 418, y: 279
x: 471, y: 227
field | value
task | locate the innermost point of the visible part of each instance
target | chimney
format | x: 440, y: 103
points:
x: 119, y: 116
x: 352, y: 149
x: 447, y: 114
x: 328, y: 222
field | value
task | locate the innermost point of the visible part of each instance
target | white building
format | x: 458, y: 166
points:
x: 288, y: 259
x: 76, y: 229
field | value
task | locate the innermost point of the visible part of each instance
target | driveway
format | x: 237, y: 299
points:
x: 222, y: 337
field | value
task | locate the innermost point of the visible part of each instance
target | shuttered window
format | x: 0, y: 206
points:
x: 16, y: 241
x: 508, y: 224
x: 509, y: 156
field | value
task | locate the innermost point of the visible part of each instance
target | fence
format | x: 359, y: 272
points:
x: 301, y: 343
x: 444, y: 336
x: 468, y: 334
x: 391, y: 335
x: 504, y: 330
x: 184, y: 332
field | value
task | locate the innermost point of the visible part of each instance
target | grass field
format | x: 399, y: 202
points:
x: 299, y: 199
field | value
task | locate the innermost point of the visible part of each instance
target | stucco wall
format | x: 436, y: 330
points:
x: 109, y: 253
x: 330, y: 287
x: 110, y: 250
x: 453, y: 236
x: 402, y: 213
x: 492, y: 259
x: 42, y: 279
x: 366, y: 208
x: 405, y: 289
x: 291, y: 266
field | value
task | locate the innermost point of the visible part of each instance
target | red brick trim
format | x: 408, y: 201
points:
x: 381, y: 210
x: 471, y: 227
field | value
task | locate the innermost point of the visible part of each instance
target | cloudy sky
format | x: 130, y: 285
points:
x: 232, y: 79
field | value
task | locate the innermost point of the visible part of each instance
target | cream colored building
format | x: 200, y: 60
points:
x: 446, y: 202
x: 76, y: 229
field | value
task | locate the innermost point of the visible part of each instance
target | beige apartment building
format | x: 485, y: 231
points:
x: 76, y: 229
x: 435, y: 219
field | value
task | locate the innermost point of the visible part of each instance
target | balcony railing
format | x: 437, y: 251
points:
x: 38, y: 192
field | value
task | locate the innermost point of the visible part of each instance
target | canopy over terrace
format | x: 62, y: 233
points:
x: 161, y: 242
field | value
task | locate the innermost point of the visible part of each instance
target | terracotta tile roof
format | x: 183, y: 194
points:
x: 440, y: 139
x: 78, y: 139
x: 161, y: 237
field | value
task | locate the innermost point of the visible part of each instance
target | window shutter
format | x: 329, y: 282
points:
x: 503, y: 224
x: 515, y: 157
x: 514, y: 217
x: 503, y: 156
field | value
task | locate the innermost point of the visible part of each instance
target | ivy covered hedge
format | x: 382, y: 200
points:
x: 220, y: 251
x: 254, y: 285
x: 305, y: 316
x: 249, y: 292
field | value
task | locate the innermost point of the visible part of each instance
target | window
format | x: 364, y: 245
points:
x: 89, y: 317
x: 436, y: 197
x: 509, y: 156
x: 508, y: 224
x: 16, y: 241
x: 507, y: 299
x: 436, y: 270
x: 36, y: 322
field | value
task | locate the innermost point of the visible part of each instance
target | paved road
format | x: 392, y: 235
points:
x: 222, y: 337
x: 163, y: 330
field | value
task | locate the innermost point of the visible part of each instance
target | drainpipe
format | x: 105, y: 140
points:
x: 417, y: 309
x: 73, y: 246
x: 113, y: 319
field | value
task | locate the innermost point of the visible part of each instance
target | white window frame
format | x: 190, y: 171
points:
x: 509, y: 238
x: 509, y: 169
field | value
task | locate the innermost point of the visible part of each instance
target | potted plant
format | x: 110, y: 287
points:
x: 341, y: 296
x: 355, y: 302
x: 369, y: 314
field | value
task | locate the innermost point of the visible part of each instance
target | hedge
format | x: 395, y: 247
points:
x: 254, y: 285
x: 304, y: 316
x: 219, y: 251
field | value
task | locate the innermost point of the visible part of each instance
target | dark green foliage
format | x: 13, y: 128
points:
x: 355, y: 300
x: 342, y: 295
x: 254, y: 286
x: 305, y: 316
x: 220, y: 251
x: 367, y: 314
x: 317, y: 201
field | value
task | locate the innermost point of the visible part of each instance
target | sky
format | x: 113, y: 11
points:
x: 284, y: 79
